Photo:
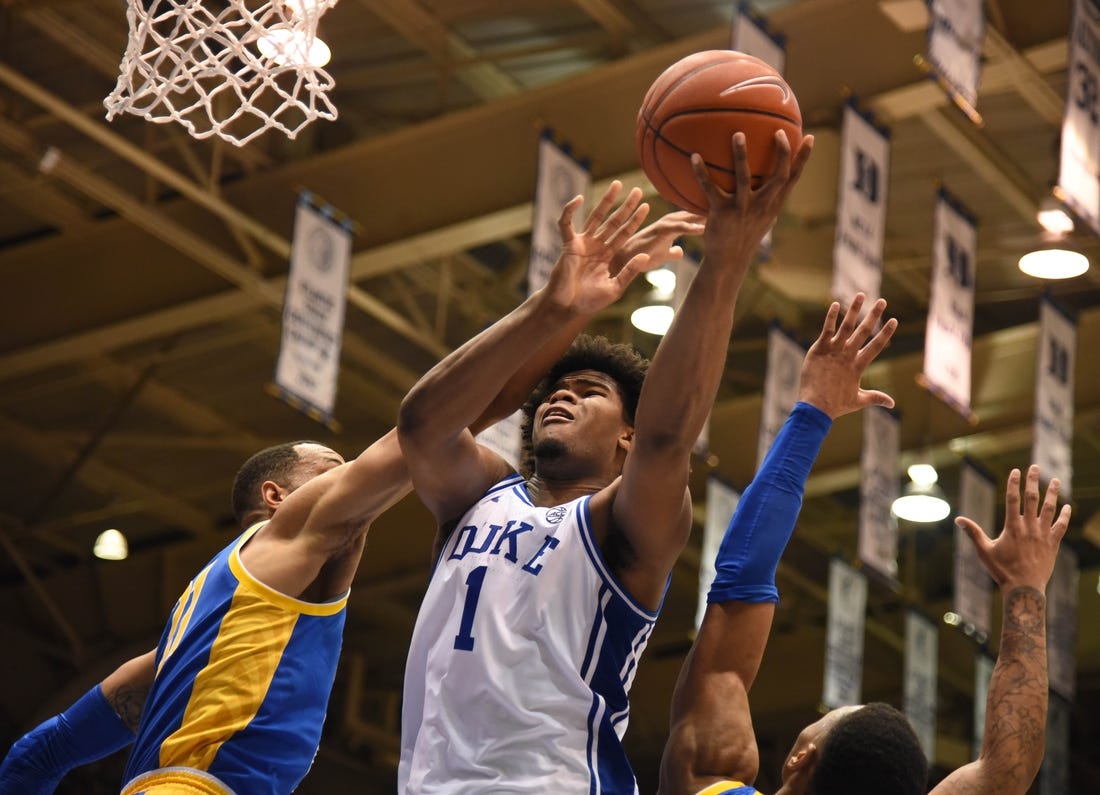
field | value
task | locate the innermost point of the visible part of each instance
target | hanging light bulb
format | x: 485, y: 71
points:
x: 1052, y: 216
x: 111, y: 545
x: 923, y: 500
x: 287, y: 46
x: 1054, y: 263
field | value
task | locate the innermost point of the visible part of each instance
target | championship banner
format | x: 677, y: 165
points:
x: 1052, y: 444
x: 861, y: 208
x: 983, y: 673
x: 560, y: 178
x: 1079, y: 167
x: 950, y: 329
x: 780, y: 387
x: 313, y: 309
x: 878, y: 527
x: 1062, y: 624
x: 844, y: 635
x: 1054, y: 774
x: 752, y: 37
x: 955, y: 36
x: 973, y: 585
x: 721, y: 503
x: 921, y: 663
x: 505, y: 438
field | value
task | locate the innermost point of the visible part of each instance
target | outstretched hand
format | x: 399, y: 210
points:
x: 738, y: 221
x: 835, y: 363
x: 586, y: 278
x: 659, y: 238
x: 1026, y: 550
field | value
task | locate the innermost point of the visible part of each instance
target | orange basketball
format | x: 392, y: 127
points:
x: 696, y: 105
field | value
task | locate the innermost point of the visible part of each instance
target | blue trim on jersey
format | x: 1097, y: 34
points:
x: 584, y: 520
x: 521, y: 492
x: 597, y: 623
x: 616, y: 639
x: 511, y: 480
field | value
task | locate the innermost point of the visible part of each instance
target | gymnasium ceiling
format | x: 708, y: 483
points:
x: 142, y: 277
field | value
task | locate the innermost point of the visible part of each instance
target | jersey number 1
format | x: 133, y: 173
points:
x: 464, y: 640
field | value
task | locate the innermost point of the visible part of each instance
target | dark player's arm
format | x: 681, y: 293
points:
x: 710, y: 733
x: 1016, y: 705
x: 652, y: 508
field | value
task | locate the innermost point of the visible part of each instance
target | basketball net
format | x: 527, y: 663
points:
x: 231, y: 68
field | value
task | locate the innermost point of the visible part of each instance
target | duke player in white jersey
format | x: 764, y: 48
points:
x: 546, y: 588
x: 857, y: 750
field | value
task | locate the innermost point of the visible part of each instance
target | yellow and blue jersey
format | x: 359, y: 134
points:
x: 728, y: 788
x: 243, y: 677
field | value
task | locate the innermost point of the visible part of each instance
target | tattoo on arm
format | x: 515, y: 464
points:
x: 1015, y: 726
x: 127, y: 701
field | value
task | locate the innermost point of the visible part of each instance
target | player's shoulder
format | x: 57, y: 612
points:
x: 729, y: 788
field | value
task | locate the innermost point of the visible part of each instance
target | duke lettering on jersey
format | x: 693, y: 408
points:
x: 474, y: 540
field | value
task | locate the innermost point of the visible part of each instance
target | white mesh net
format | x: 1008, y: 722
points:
x: 231, y: 68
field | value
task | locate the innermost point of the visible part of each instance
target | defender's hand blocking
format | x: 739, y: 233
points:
x: 658, y: 239
x: 738, y: 221
x: 1026, y: 550
x: 834, y: 365
x: 584, y: 279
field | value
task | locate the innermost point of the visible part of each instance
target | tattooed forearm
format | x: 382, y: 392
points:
x: 1016, y: 709
x: 127, y: 701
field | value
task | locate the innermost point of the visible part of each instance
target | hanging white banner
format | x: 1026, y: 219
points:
x: 780, y: 387
x: 949, y: 332
x: 973, y: 586
x: 983, y: 672
x: 861, y: 209
x: 955, y: 35
x: 1052, y: 444
x: 1054, y: 774
x: 921, y: 663
x: 721, y: 503
x: 313, y: 310
x: 560, y: 178
x: 1062, y: 624
x: 505, y: 438
x: 751, y: 36
x: 1079, y: 167
x: 844, y: 635
x: 878, y: 488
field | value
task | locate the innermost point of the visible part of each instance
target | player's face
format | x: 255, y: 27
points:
x: 581, y: 409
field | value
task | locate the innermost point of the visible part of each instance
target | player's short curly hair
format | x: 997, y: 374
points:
x: 871, y: 751
x: 274, y: 464
x: 625, y: 366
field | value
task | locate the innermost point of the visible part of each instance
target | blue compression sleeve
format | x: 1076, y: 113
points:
x: 86, y: 731
x: 765, y: 516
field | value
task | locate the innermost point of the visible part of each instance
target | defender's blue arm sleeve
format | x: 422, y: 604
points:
x: 86, y: 731
x: 766, y: 513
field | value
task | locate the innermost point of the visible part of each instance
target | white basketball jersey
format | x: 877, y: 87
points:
x: 522, y: 657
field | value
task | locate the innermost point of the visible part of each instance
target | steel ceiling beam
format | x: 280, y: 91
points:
x: 425, y: 30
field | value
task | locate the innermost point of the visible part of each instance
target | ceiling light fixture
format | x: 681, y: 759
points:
x: 1054, y: 263
x: 1052, y: 216
x: 923, y: 501
x: 111, y: 545
x: 286, y: 46
x: 655, y: 315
